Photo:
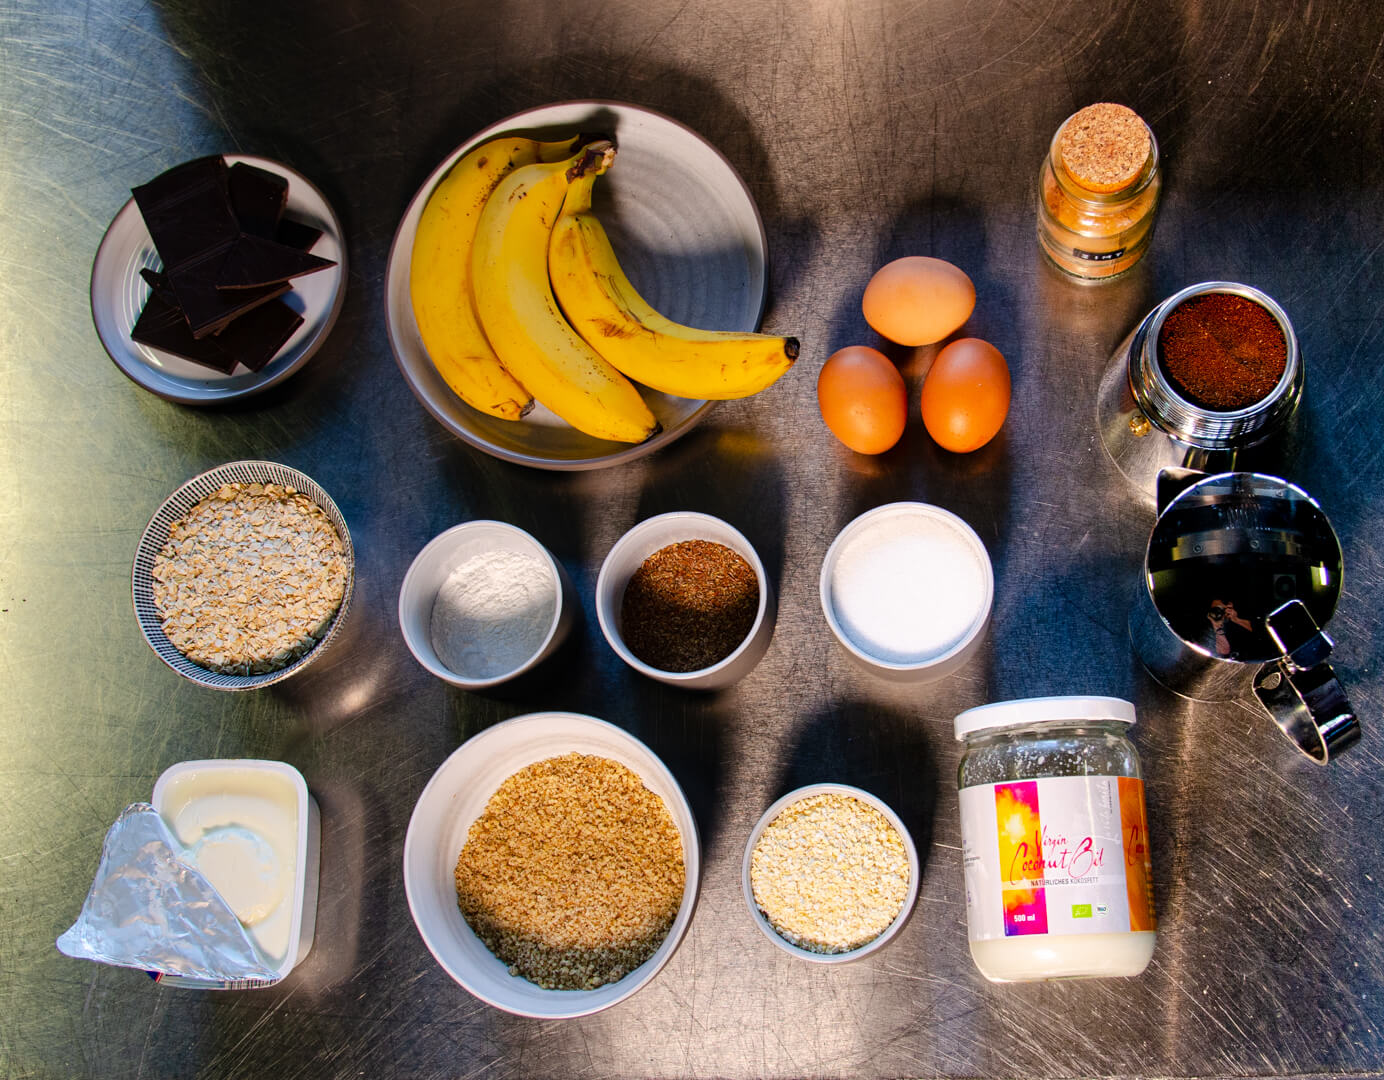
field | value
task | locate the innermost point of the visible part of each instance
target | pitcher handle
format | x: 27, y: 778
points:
x: 1300, y: 691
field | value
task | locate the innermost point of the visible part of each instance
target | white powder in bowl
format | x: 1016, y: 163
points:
x: 908, y: 588
x: 492, y: 613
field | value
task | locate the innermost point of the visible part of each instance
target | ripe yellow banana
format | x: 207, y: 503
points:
x: 509, y: 273
x: 618, y: 323
x: 440, y: 275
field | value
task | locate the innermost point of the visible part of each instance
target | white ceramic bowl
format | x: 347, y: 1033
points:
x: 248, y: 776
x: 947, y: 562
x: 453, y: 799
x: 914, y: 873
x: 435, y: 564
x: 652, y: 535
x: 688, y: 235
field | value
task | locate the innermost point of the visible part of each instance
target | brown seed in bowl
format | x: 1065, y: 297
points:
x: 249, y: 579
x: 689, y: 605
x: 573, y: 874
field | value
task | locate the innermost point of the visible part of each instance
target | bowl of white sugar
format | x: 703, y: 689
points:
x: 484, y: 602
x: 907, y: 590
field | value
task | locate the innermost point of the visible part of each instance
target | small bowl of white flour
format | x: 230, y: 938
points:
x: 483, y: 603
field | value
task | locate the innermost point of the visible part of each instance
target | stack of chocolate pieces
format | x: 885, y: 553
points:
x: 229, y: 256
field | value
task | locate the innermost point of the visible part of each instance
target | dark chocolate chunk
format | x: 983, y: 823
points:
x: 162, y: 326
x: 187, y: 212
x: 258, y: 198
x: 162, y: 288
x: 215, y: 230
x: 257, y: 338
x: 207, y: 308
x: 297, y: 235
x: 253, y: 339
x: 158, y: 282
x: 254, y: 262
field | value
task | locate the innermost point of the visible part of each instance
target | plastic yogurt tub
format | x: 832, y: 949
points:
x: 1054, y: 840
x: 254, y: 831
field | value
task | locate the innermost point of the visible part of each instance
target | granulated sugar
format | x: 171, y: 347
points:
x: 908, y: 588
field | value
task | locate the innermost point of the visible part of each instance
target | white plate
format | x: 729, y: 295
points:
x: 687, y: 232
x: 118, y: 294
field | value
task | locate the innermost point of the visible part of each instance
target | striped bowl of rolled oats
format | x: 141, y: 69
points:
x: 243, y: 575
x: 830, y: 873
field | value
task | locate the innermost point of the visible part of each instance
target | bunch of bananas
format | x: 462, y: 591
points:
x: 518, y: 296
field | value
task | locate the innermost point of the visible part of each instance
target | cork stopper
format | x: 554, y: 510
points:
x: 1103, y: 147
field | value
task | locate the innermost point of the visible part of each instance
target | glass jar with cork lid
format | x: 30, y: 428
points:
x: 1098, y: 192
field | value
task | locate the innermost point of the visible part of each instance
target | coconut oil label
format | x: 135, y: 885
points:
x: 1057, y: 855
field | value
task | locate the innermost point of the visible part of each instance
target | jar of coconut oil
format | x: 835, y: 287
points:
x: 1055, y: 840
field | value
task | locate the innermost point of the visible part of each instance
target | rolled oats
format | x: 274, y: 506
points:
x: 249, y: 579
x: 830, y: 873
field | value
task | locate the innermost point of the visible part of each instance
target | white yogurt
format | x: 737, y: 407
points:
x: 240, y: 829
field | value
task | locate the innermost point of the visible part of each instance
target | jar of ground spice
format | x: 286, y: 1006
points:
x: 1098, y: 192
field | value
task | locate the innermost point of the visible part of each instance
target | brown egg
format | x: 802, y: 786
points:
x: 863, y: 399
x: 966, y: 395
x: 918, y: 300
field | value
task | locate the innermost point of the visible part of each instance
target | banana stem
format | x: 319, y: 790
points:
x: 595, y: 159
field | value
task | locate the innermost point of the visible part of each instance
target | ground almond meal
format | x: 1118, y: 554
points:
x: 249, y: 579
x: 573, y: 873
x: 830, y: 873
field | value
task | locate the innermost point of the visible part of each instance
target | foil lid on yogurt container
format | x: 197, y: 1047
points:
x: 151, y: 910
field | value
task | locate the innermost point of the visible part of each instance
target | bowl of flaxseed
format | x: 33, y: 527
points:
x: 243, y: 576
x: 552, y: 864
x: 684, y: 598
x: 830, y: 873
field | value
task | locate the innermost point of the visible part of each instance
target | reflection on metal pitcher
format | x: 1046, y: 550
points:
x: 1242, y: 571
x: 1225, y: 621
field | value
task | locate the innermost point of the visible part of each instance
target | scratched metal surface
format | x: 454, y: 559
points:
x: 865, y: 132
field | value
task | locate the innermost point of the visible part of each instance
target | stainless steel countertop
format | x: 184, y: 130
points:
x: 865, y: 131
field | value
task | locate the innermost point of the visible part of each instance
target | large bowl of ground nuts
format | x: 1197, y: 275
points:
x: 552, y: 864
x: 243, y: 576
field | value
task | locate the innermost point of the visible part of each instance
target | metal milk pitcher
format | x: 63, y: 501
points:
x: 1241, y: 573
